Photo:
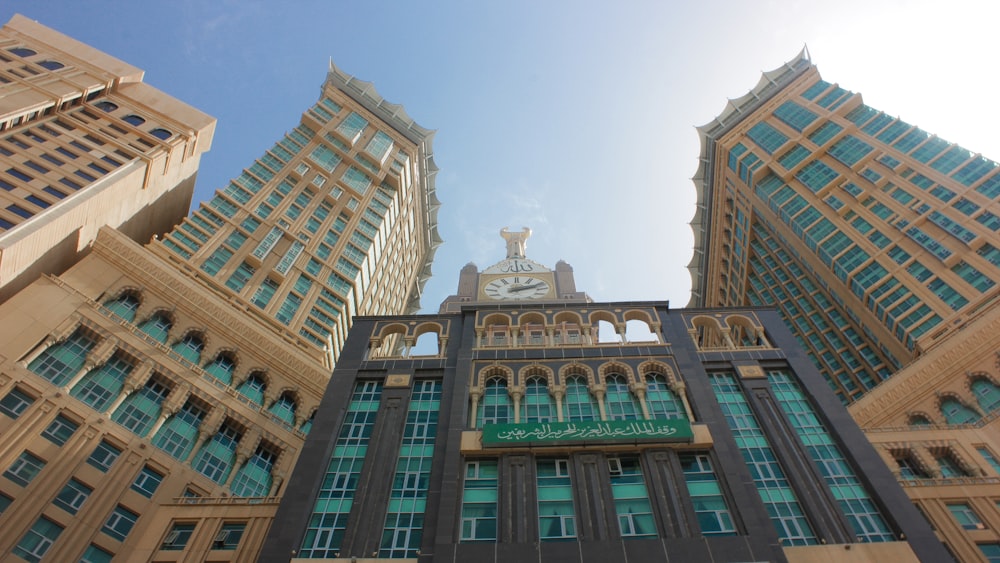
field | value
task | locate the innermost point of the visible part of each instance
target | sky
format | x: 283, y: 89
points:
x: 576, y: 119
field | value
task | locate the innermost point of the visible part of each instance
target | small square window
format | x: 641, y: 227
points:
x: 120, y: 523
x: 178, y: 537
x: 147, y: 482
x: 104, y: 456
x: 60, y: 430
x: 72, y: 497
x: 25, y: 468
x: 15, y: 403
x: 229, y: 536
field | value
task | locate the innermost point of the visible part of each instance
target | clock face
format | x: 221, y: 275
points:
x: 516, y: 287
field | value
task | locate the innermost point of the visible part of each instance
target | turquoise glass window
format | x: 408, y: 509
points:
x: 179, y: 433
x: 124, y: 306
x: 120, y: 523
x: 253, y: 388
x: 628, y: 488
x: 142, y: 408
x: 254, y: 478
x: 284, y: 408
x: 72, y: 496
x: 404, y: 519
x: 556, y: 514
x: 190, y: 347
x: 956, y: 413
x: 99, y: 387
x: 495, y: 404
x: 619, y: 402
x: 987, y: 394
x: 767, y: 137
x: 479, y: 501
x: 580, y: 404
x: 38, y: 540
x: 714, y: 517
x: 158, y: 327
x: 794, y: 115
x: 966, y: 516
x: 855, y: 502
x: 325, y: 529
x: 15, y: 403
x: 221, y: 368
x: 537, y: 404
x: 215, y: 459
x: 25, y: 468
x: 61, y: 361
x: 780, y: 499
x: 663, y: 403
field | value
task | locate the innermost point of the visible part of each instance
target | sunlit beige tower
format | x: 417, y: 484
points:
x: 153, y: 399
x: 877, y: 242
x: 84, y: 142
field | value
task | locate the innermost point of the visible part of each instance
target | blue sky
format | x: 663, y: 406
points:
x: 576, y: 119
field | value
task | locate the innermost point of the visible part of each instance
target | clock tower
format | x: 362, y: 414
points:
x: 515, y: 278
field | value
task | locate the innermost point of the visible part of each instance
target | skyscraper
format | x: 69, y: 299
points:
x: 153, y: 399
x: 527, y: 436
x: 875, y: 239
x: 877, y: 242
x: 84, y: 143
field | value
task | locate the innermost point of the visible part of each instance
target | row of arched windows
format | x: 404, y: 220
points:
x: 221, y: 367
x: 955, y: 409
x: 141, y: 411
x: 579, y: 401
x: 734, y: 331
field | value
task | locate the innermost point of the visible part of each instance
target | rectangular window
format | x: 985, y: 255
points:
x: 217, y: 260
x: 265, y: 292
x: 816, y: 175
x: 628, y: 487
x: 479, y: 501
x: 37, y: 541
x: 240, y: 277
x: 72, y: 497
x: 147, y: 482
x: 120, y: 523
x: 767, y: 137
x: 60, y: 430
x: 104, y: 456
x: 714, y: 517
x: 229, y: 536
x: 177, y: 538
x: 794, y: 115
x: 556, y: 515
x: 25, y: 468
x: 15, y: 403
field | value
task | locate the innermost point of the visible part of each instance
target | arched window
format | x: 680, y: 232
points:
x: 987, y: 394
x: 133, y: 119
x: 22, y: 52
x: 956, y: 413
x: 284, y: 408
x: 141, y: 408
x: 620, y: 403
x: 537, y: 405
x: 124, y: 306
x: 663, y: 404
x: 221, y: 368
x: 308, y: 424
x: 190, y: 347
x: 580, y: 404
x: 101, y: 386
x: 179, y: 433
x: 161, y: 133
x: 51, y: 65
x: 106, y: 106
x: 215, y: 459
x: 253, y: 388
x: 158, y: 327
x: 494, y: 406
x: 919, y: 420
x: 60, y: 362
x: 254, y: 478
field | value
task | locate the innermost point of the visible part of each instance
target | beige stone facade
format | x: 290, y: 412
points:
x: 84, y: 143
x: 153, y: 399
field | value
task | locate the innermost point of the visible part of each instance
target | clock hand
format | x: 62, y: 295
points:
x: 524, y: 287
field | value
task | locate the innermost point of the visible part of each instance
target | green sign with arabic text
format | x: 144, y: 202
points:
x: 586, y: 432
